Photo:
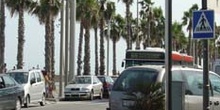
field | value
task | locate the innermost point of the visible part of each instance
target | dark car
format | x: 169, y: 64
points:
x: 11, y: 93
x: 107, y: 82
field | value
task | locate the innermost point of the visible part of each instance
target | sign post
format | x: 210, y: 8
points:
x: 203, y: 28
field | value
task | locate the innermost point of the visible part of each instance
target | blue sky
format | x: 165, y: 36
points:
x: 34, y: 36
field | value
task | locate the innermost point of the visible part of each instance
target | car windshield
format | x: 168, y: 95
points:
x: 20, y: 77
x: 130, y: 79
x: 83, y: 80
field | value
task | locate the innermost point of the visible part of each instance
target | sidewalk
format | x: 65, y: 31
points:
x: 55, y: 99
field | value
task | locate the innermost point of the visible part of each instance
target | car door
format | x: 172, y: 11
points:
x: 39, y: 85
x: 9, y: 93
x: 95, y: 85
x: 33, y: 87
x: 215, y: 87
x: 2, y: 94
x: 194, y: 96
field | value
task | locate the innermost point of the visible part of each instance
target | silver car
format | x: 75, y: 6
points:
x: 86, y: 86
x: 192, y: 78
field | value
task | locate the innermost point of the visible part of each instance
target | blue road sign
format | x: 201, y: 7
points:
x: 203, y: 24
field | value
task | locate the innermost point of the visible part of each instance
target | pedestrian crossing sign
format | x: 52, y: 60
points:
x: 203, y: 24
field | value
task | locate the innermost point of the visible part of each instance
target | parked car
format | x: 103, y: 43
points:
x: 86, y: 86
x: 191, y: 77
x: 107, y: 82
x: 11, y: 93
x: 33, y: 83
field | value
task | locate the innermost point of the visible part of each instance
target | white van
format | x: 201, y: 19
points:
x: 33, y: 83
x: 192, y: 78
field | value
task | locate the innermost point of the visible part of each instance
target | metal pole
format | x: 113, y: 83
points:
x: 205, y: 68
x: 137, y: 29
x: 149, y: 21
x: 66, y: 71
x: 61, y: 51
x: 168, y: 51
x: 72, y: 39
x: 109, y: 21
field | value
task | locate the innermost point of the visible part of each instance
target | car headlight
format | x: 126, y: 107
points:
x: 67, y: 89
x: 86, y: 89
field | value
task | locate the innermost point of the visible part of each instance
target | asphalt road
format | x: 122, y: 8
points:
x: 96, y: 104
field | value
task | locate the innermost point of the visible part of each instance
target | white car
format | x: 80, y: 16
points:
x: 192, y: 78
x: 33, y: 83
x: 86, y: 86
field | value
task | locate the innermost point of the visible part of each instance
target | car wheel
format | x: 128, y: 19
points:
x: 43, y: 100
x: 18, y: 104
x: 91, y: 95
x: 27, y: 99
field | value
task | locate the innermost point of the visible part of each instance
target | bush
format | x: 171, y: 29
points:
x: 147, y: 97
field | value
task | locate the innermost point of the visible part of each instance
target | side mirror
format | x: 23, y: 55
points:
x: 95, y: 82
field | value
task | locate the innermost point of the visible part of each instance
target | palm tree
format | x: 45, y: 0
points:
x: 19, y: 6
x: 95, y: 22
x: 146, y: 14
x: 179, y: 40
x: 79, y: 15
x: 128, y: 15
x: 101, y: 27
x: 47, y: 11
x: 90, y: 9
x: 187, y: 20
x: 116, y: 28
x: 157, y: 27
x: 2, y: 35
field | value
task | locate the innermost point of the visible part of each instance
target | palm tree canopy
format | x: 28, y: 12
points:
x: 110, y: 10
x: 45, y: 8
x: 187, y: 18
x: 15, y: 5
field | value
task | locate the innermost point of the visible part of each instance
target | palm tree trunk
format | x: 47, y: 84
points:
x: 102, y: 50
x: 128, y: 25
x: 2, y: 35
x: 79, y: 60
x: 87, y: 52
x: 53, y: 48
x: 48, y: 55
x: 96, y: 51
x: 20, y: 38
x: 190, y: 43
x: 114, y: 58
x: 52, y: 57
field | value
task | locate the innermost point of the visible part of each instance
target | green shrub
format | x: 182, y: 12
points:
x: 147, y: 97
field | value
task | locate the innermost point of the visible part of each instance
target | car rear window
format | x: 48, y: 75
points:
x: 20, y: 77
x: 132, y: 78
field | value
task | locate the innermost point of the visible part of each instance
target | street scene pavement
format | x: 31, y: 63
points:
x: 96, y: 104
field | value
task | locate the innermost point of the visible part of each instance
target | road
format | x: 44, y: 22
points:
x: 72, y: 105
